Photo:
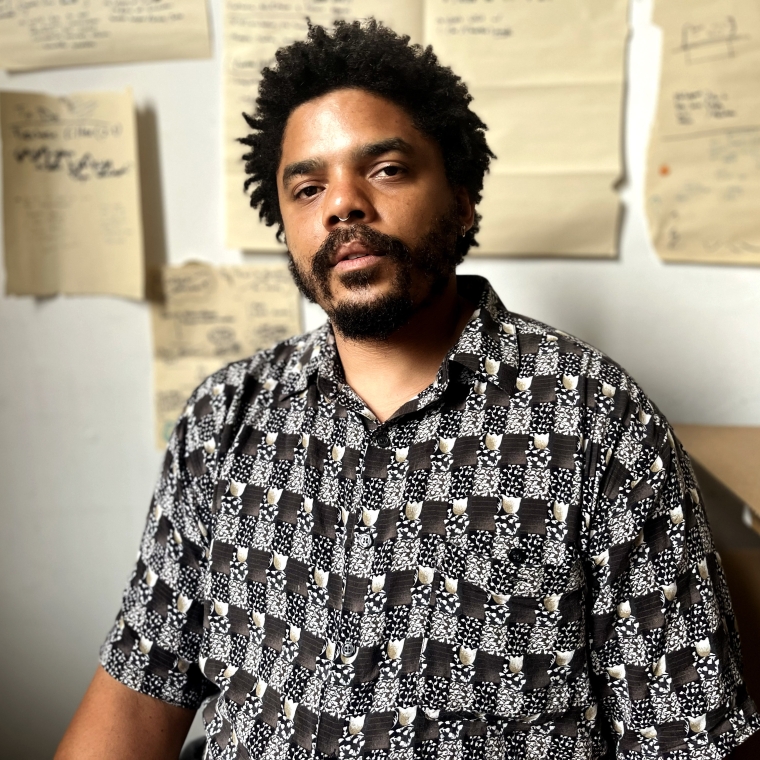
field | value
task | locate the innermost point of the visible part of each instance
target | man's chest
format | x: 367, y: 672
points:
x: 436, y: 551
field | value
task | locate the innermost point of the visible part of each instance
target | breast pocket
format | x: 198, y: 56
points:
x: 484, y: 544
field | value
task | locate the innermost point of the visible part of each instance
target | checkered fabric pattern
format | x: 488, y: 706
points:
x: 515, y: 565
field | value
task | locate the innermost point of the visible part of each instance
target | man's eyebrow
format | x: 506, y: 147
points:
x: 301, y: 167
x: 372, y: 150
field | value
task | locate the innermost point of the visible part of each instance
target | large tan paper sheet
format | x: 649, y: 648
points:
x: 212, y: 316
x: 547, y: 78
x: 71, y: 198
x: 552, y: 128
x: 731, y: 454
x: 47, y: 33
x: 253, y: 31
x: 510, y: 42
x: 703, y: 178
x: 536, y: 214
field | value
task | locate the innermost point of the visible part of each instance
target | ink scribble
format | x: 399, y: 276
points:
x: 82, y: 168
x: 716, y: 41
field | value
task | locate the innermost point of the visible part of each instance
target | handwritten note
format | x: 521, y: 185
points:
x: 547, y: 78
x: 71, y: 200
x: 253, y: 31
x: 703, y: 178
x: 212, y: 316
x: 38, y: 34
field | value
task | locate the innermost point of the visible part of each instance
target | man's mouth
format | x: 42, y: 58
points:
x: 354, y: 255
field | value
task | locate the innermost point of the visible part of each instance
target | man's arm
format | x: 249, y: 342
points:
x: 114, y: 722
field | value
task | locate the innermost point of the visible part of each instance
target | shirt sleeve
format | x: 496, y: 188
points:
x: 154, y: 644
x: 664, y: 648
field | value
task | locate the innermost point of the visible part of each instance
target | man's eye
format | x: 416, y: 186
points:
x: 307, y: 192
x: 391, y: 171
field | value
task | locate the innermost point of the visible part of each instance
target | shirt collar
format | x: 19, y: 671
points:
x: 486, y: 349
x: 488, y: 344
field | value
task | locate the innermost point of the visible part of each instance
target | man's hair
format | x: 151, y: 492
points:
x: 371, y: 57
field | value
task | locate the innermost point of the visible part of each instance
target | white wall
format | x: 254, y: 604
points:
x: 77, y: 461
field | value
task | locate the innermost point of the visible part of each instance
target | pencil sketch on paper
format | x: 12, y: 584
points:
x: 714, y: 41
x: 703, y: 177
x: 212, y: 316
x: 730, y: 164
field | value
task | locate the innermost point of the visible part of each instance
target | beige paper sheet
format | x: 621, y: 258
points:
x: 731, y: 454
x: 71, y: 197
x: 253, y: 31
x: 547, y: 79
x: 551, y: 214
x: 703, y: 177
x: 211, y: 316
x: 510, y: 42
x: 36, y: 35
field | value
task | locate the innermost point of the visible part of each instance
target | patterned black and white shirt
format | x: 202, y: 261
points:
x: 515, y: 565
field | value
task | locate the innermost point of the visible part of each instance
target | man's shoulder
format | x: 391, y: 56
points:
x: 212, y: 400
x: 531, y: 336
x: 547, y: 350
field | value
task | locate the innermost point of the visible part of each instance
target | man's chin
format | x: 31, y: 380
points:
x: 368, y: 315
x: 359, y: 292
x: 361, y: 287
x: 355, y: 299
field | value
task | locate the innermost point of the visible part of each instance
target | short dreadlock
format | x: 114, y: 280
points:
x: 371, y: 57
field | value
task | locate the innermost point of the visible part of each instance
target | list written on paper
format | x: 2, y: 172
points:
x: 71, y: 199
x: 211, y: 316
x: 38, y: 34
x: 253, y: 31
x: 703, y: 178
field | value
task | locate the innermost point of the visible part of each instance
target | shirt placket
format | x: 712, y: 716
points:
x: 356, y: 524
x: 356, y: 528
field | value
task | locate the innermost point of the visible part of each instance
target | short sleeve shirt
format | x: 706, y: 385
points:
x: 515, y: 564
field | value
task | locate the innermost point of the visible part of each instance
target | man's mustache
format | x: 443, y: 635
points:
x: 377, y: 242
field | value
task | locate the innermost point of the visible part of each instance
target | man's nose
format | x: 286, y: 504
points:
x: 346, y: 202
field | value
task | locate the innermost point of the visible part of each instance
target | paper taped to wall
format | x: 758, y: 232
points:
x: 253, y: 31
x: 71, y: 198
x: 703, y: 174
x: 211, y: 316
x: 36, y: 35
x: 547, y: 78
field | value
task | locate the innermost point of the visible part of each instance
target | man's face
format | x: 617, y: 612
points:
x: 354, y: 156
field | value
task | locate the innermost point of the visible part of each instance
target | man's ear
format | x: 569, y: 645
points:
x: 465, y: 207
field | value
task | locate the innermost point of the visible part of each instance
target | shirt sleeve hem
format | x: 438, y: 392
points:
x: 190, y: 700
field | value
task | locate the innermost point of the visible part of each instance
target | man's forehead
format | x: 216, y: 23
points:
x: 348, y: 102
x: 346, y: 120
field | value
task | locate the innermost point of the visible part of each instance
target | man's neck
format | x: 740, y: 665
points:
x: 385, y: 374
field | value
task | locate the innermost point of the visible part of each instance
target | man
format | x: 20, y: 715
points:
x: 431, y: 528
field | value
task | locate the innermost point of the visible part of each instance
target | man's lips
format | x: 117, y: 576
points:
x: 354, y: 255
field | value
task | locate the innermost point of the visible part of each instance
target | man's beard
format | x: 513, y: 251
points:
x: 435, y: 258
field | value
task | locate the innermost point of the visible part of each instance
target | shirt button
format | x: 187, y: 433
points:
x: 517, y: 556
x: 348, y: 649
x: 364, y: 540
x: 382, y: 440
